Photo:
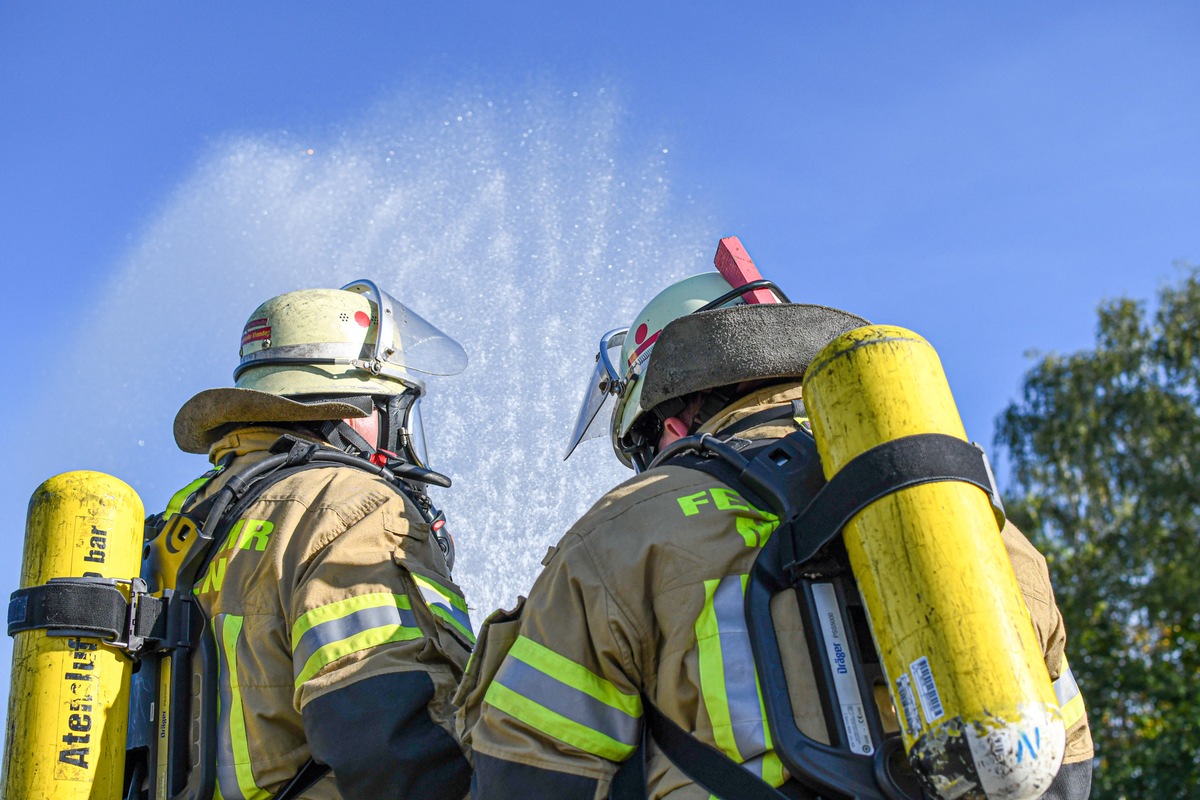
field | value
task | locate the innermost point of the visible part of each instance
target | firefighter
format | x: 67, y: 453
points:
x: 340, y: 635
x: 641, y: 602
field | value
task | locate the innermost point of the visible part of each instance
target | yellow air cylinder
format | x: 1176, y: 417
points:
x: 69, y: 702
x: 966, y: 674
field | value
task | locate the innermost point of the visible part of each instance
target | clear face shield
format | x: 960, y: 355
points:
x: 603, y: 388
x: 409, y: 344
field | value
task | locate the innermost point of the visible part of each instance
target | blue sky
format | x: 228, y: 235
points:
x: 1006, y: 163
x: 985, y: 174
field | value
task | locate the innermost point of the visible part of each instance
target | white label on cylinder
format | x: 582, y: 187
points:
x: 931, y: 701
x: 845, y: 677
x: 908, y: 704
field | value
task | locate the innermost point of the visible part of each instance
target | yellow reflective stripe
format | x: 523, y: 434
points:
x: 554, y: 691
x: 453, y: 599
x: 738, y: 718
x: 360, y: 638
x: 231, y: 631
x: 446, y: 604
x: 712, y: 674
x: 772, y: 766
x: 574, y: 675
x: 1073, y: 711
x: 367, y: 639
x: 772, y: 769
x: 341, y: 608
x: 1069, y: 698
x: 554, y: 724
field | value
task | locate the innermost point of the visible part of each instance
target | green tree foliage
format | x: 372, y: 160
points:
x: 1105, y: 447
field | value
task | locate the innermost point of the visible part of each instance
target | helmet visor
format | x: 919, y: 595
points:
x: 409, y: 342
x: 600, y: 393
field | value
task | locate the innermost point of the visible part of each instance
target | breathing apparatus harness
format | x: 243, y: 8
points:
x: 864, y: 761
x: 165, y: 635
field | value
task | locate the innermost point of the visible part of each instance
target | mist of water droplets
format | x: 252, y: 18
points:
x: 524, y: 226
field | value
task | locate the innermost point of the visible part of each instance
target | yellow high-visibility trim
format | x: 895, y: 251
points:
x: 576, y: 676
x: 384, y: 634
x: 453, y: 599
x: 772, y: 766
x: 450, y: 620
x: 554, y: 724
x: 455, y: 602
x: 1066, y: 689
x: 341, y: 608
x: 231, y: 631
x: 712, y: 674
x: 1073, y: 711
x: 773, y: 769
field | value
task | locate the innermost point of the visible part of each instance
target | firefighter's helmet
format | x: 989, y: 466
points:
x: 699, y: 333
x: 311, y: 355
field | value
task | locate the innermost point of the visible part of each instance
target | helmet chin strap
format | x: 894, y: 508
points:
x: 385, y: 439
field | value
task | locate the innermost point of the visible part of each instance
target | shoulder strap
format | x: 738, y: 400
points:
x: 719, y: 774
x: 715, y: 772
x: 290, y: 456
x: 794, y: 410
x: 309, y: 773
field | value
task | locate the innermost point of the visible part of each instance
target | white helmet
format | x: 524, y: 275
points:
x: 315, y: 355
x: 697, y: 334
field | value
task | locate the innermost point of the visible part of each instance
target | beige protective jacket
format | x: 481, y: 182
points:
x: 330, y: 578
x: 644, y: 594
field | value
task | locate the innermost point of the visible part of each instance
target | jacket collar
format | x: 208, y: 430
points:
x: 252, y: 438
x: 756, y: 401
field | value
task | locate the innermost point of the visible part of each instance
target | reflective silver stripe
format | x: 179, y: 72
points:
x: 436, y: 595
x: 1065, y: 688
x: 755, y: 765
x: 741, y: 682
x: 335, y: 630
x: 226, y: 769
x: 569, y: 702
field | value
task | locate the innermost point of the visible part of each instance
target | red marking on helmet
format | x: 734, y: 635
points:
x: 256, y: 335
x: 437, y: 525
x: 640, y: 336
x: 362, y: 318
x: 636, y: 355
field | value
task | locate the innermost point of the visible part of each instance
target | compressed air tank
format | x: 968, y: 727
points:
x: 965, y: 670
x: 68, y: 705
